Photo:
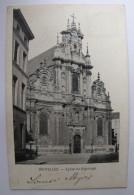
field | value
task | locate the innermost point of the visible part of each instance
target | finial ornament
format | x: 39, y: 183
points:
x: 73, y: 17
x: 68, y: 26
x: 79, y: 26
x: 98, y: 76
x: 87, y: 48
x: 73, y: 25
x: 57, y: 39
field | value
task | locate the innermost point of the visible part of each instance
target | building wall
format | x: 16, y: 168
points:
x: 19, y: 128
x: 116, y: 124
x: 20, y: 45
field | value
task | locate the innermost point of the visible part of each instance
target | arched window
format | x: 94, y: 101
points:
x: 99, y: 127
x: 44, y: 79
x: 43, y: 124
x: 99, y: 90
x: 75, y: 82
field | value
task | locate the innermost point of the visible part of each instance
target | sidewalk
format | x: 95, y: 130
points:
x: 81, y: 158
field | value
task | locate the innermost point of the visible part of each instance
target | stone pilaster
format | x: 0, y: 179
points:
x: 69, y: 82
x: 88, y: 86
x: 37, y: 123
x: 94, y: 131
x: 105, y: 131
x: 57, y: 128
x: 81, y: 84
x: 33, y: 123
x: 28, y: 121
x: 59, y: 78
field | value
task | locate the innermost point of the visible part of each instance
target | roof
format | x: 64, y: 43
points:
x: 34, y: 63
x: 20, y: 18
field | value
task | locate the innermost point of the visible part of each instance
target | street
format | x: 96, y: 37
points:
x: 81, y: 158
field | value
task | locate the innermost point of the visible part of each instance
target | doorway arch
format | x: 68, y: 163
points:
x: 77, y: 144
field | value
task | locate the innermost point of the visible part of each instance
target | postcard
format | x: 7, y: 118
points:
x: 67, y: 96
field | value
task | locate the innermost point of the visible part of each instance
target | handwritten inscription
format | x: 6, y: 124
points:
x: 75, y: 179
x: 39, y: 179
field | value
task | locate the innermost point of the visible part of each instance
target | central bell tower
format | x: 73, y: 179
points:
x: 72, y: 39
x: 72, y: 68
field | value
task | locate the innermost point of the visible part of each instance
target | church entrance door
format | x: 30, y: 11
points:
x: 77, y: 144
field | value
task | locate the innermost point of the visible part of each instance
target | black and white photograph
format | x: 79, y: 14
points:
x: 62, y: 113
x: 69, y: 72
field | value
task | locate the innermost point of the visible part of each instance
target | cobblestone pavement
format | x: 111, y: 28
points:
x: 59, y: 159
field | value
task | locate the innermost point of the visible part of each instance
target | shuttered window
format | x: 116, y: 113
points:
x: 75, y: 82
x: 16, y: 51
x: 43, y: 124
x: 99, y: 127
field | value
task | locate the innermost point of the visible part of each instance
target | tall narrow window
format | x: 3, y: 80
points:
x: 15, y: 90
x: 44, y: 79
x: 18, y: 28
x: 16, y: 50
x: 99, y: 90
x: 43, y: 124
x: 24, y: 60
x: 25, y: 40
x: 22, y: 96
x: 99, y: 127
x: 75, y: 82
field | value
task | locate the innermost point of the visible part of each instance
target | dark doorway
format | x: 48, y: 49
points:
x: 77, y: 144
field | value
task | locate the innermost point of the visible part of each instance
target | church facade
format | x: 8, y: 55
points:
x: 66, y: 111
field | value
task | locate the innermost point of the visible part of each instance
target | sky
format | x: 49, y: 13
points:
x: 104, y: 30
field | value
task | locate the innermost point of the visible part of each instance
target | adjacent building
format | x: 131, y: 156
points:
x: 116, y: 126
x: 22, y: 34
x: 66, y: 110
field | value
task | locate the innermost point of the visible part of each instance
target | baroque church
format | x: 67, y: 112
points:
x: 66, y: 110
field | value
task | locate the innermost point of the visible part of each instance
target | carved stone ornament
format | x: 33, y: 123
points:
x: 79, y: 131
x: 46, y: 111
